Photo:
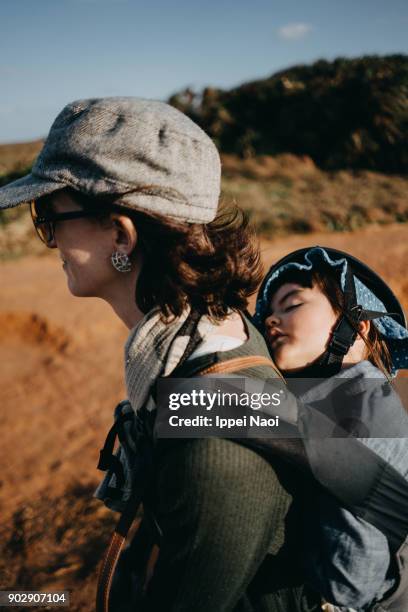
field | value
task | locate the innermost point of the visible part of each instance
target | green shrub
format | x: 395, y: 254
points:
x: 349, y: 113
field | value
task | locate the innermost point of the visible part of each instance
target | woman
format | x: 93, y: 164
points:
x: 127, y: 190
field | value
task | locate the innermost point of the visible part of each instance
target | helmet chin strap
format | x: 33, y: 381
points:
x: 342, y: 338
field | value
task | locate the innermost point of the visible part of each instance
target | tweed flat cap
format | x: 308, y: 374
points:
x: 152, y: 156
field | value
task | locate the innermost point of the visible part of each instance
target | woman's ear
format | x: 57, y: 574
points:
x: 125, y: 233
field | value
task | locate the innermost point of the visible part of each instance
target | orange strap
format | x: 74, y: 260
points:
x: 107, y: 570
x: 240, y: 363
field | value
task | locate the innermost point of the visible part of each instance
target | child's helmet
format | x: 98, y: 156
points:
x: 367, y: 297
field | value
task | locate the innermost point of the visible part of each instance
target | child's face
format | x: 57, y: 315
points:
x: 299, y: 326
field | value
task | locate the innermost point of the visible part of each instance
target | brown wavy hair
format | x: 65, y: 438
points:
x: 213, y: 267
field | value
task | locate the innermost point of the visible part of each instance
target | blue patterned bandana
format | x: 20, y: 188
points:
x: 395, y: 334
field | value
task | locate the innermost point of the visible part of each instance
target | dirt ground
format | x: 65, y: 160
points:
x: 60, y: 378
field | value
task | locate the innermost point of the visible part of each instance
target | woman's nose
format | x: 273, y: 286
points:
x: 52, y: 244
x: 51, y: 241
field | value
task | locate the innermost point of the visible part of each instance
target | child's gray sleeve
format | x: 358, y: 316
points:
x: 346, y: 559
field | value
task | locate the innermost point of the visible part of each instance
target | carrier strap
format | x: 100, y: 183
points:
x: 345, y: 331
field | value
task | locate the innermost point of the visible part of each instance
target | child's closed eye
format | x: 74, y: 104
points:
x: 292, y: 306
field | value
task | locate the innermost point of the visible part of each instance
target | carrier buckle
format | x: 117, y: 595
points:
x: 339, y: 345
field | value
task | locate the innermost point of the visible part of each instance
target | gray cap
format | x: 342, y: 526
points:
x: 110, y: 146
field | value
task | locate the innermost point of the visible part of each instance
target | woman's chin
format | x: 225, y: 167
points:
x: 76, y: 290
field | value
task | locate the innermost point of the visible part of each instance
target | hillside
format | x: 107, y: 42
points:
x: 16, y: 159
x: 349, y: 113
x: 289, y: 194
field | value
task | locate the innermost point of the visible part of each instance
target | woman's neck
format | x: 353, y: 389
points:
x: 128, y: 313
x: 233, y: 326
x: 121, y: 296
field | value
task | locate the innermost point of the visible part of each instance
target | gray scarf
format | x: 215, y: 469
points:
x: 154, y: 348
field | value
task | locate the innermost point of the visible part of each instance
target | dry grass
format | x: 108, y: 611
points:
x: 288, y: 194
x: 16, y: 157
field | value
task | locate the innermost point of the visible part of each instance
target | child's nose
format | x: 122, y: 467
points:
x: 272, y: 320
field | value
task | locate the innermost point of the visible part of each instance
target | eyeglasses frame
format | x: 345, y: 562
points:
x: 51, y: 219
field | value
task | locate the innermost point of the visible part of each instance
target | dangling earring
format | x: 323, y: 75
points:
x: 121, y: 262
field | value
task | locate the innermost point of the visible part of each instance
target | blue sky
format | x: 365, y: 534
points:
x: 55, y: 51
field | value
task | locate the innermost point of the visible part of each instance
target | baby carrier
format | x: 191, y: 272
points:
x: 377, y: 492
x: 134, y: 434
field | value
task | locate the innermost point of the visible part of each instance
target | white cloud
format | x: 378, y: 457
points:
x: 294, y: 31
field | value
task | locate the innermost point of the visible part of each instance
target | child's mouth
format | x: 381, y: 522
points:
x: 276, y: 339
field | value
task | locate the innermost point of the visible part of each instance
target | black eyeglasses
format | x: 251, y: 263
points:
x: 45, y: 224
